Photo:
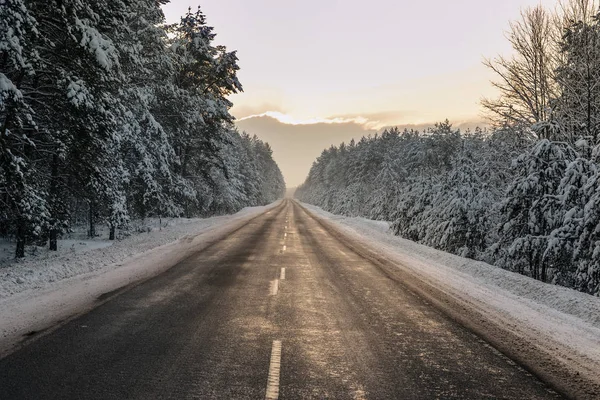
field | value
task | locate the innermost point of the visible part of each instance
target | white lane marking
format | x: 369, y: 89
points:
x: 282, y: 275
x: 284, y: 247
x: 285, y: 234
x: 359, y: 394
x: 274, y: 287
x: 274, y: 371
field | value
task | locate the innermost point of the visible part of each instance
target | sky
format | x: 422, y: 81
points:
x: 319, y: 72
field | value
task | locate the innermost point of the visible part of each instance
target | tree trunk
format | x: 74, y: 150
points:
x: 20, y: 251
x: 9, y: 115
x: 92, y: 231
x: 111, y: 235
x: 544, y: 272
x: 53, y: 239
x: 54, y: 199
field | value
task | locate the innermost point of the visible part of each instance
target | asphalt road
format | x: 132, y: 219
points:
x: 224, y: 324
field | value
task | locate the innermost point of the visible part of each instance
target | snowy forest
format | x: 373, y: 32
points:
x: 522, y: 194
x: 109, y: 114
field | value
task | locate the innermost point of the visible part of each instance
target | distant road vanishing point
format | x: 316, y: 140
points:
x: 281, y: 308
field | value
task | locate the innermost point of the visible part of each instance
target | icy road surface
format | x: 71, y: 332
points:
x: 284, y: 307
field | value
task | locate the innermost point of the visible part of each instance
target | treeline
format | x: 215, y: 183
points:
x: 108, y: 112
x: 524, y: 195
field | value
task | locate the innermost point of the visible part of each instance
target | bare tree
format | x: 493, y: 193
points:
x: 578, y: 68
x: 525, y: 81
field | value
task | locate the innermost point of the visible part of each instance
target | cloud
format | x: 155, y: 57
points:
x: 369, y: 121
x: 381, y: 119
x: 290, y: 120
x: 247, y: 111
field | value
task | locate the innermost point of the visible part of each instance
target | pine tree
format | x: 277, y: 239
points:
x: 531, y: 208
x: 102, y: 105
x: 25, y: 209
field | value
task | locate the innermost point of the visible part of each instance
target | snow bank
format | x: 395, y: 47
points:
x: 557, y: 321
x: 40, y: 291
x: 67, y: 245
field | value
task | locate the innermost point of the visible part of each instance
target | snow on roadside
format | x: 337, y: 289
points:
x: 51, y: 268
x: 562, y: 321
x: 7, y: 249
x: 78, y: 240
x: 38, y: 292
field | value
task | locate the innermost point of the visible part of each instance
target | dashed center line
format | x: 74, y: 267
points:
x: 285, y: 234
x: 282, y: 275
x: 274, y: 287
x: 274, y: 371
x: 284, y: 247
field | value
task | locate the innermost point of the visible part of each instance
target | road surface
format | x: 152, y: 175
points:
x: 278, y: 309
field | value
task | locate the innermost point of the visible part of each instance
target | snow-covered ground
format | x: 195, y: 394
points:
x: 50, y: 286
x: 77, y: 240
x: 7, y: 249
x: 561, y: 323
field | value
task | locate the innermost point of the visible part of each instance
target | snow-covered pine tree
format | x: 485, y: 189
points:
x: 585, y: 273
x: 153, y: 187
x: 531, y: 210
x: 389, y: 182
x: 229, y: 190
x: 249, y: 170
x: 572, y: 197
x: 22, y: 192
x: 273, y: 183
x: 463, y: 207
x: 98, y: 105
x: 195, y: 107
